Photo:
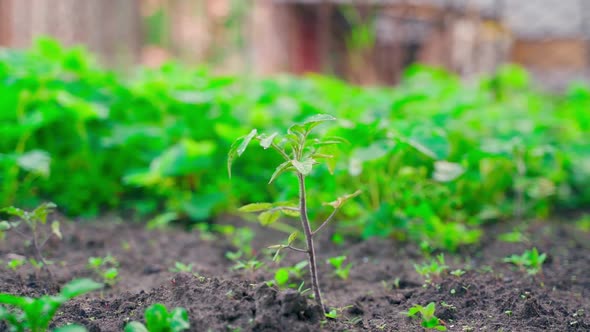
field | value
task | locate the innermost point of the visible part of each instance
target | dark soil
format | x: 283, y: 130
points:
x: 491, y: 296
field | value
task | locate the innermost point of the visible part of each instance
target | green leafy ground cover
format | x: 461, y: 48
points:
x: 434, y: 157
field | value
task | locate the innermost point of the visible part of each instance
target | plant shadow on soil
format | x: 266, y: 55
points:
x: 491, y: 296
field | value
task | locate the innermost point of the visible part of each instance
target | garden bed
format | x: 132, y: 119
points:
x: 383, y: 283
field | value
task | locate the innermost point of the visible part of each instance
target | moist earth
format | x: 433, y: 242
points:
x: 383, y: 283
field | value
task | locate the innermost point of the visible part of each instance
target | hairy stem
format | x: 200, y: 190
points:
x: 309, y: 238
x: 279, y: 150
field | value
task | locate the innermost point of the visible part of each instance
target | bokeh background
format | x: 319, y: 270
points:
x: 132, y: 106
x: 362, y: 41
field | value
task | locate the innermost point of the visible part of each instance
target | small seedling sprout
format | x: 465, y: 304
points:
x: 107, y: 268
x: 433, y: 268
x: 181, y: 267
x: 300, y: 154
x: 285, y: 274
x: 458, y: 273
x: 249, y: 264
x: 530, y: 260
x: 429, y: 320
x: 33, y: 220
x: 35, y: 315
x: 15, y: 264
x: 341, y: 270
x: 159, y: 319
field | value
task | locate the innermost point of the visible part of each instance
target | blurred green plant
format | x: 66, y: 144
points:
x: 434, y: 268
x: 530, y: 261
x: 33, y: 233
x: 286, y: 276
x: 159, y: 319
x: 429, y: 320
x: 435, y: 157
x: 340, y: 269
x: 106, y: 268
x: 35, y: 315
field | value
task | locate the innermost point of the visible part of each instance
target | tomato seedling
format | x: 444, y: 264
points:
x: 300, y: 153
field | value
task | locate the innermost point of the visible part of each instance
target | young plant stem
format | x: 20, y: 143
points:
x: 327, y: 221
x: 38, y: 252
x: 309, y: 238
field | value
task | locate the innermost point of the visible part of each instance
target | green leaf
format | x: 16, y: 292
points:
x: 330, y: 141
x: 292, y: 237
x: 135, y: 327
x: 5, y: 225
x: 333, y: 314
x: 143, y: 178
x: 336, y: 262
x: 35, y: 161
x: 445, y: 171
x: 429, y: 310
x: 362, y: 155
x: 342, y: 199
x: 11, y: 210
x: 12, y: 319
x: 430, y: 141
x: 291, y: 213
x: 79, y: 287
x: 266, y: 142
x: 431, y: 322
x: 111, y: 273
x: 71, y: 328
x: 13, y: 300
x: 55, y: 229
x: 285, y: 166
x: 303, y: 128
x: 305, y: 166
x: 48, y: 47
x: 185, y: 157
x: 179, y: 320
x: 156, y: 317
x: 162, y: 220
x: 40, y: 213
x: 95, y: 262
x: 255, y: 207
x: 414, y: 310
x: 201, y: 206
x: 246, y: 141
x: 319, y: 118
x: 237, y: 148
x: 282, y: 276
x: 330, y: 162
x: 268, y: 217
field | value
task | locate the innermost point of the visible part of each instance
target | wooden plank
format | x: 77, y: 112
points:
x: 5, y: 27
x: 559, y: 53
x: 20, y: 23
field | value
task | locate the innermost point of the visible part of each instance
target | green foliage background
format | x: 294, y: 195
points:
x: 435, y: 157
